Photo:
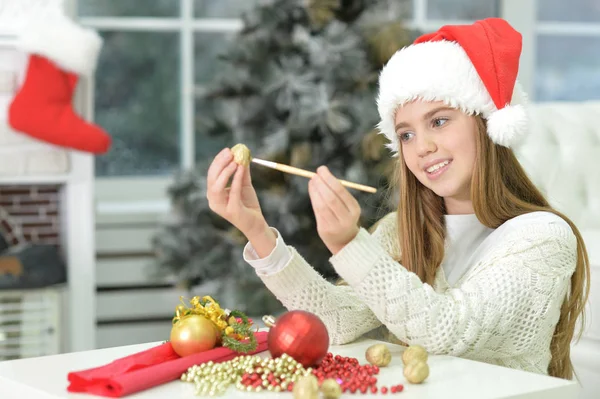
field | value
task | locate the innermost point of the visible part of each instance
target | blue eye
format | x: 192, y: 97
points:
x: 404, y: 137
x: 439, y: 122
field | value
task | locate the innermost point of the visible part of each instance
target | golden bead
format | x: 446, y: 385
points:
x: 270, y: 388
x: 265, y: 383
x: 249, y: 388
x: 277, y: 388
x: 258, y: 389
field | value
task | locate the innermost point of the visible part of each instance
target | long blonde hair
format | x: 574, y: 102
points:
x: 500, y: 191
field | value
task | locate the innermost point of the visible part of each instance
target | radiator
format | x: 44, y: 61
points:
x: 30, y: 322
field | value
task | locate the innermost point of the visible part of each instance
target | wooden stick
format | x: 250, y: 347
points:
x: 305, y: 173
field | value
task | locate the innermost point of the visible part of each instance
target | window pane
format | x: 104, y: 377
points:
x: 128, y: 8
x: 462, y: 9
x: 207, y: 47
x: 567, y: 68
x: 222, y: 8
x: 572, y: 10
x: 137, y: 102
x: 207, y: 145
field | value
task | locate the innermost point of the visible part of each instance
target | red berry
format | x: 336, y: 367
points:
x: 374, y: 389
x: 384, y: 390
x: 399, y: 388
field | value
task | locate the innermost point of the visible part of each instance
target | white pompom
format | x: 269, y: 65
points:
x: 508, y: 125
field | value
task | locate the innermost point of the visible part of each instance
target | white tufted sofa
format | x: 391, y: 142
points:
x: 562, y: 155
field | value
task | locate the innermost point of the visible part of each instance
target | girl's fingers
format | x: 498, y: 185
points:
x: 247, y: 179
x: 336, y: 187
x: 323, y: 213
x: 218, y: 165
x: 216, y: 191
x: 235, y: 194
x: 334, y: 203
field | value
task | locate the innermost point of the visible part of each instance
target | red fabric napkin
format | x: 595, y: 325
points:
x: 147, y: 369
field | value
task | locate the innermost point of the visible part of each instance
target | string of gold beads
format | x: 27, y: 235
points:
x: 248, y: 373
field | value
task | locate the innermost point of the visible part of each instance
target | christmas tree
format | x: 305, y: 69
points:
x: 297, y: 86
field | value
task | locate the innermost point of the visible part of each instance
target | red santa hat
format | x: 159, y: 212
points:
x: 469, y: 67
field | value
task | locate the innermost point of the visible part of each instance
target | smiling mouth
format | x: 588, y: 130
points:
x: 436, y: 167
x: 436, y: 170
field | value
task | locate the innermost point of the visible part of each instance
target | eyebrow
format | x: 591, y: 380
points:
x: 425, y: 117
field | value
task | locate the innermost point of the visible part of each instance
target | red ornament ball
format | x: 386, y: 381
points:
x: 301, y: 335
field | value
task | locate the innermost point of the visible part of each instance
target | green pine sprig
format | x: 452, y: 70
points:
x: 244, y: 329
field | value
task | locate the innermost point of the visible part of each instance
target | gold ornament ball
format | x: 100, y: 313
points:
x: 378, y: 355
x: 414, y: 352
x: 331, y: 389
x: 306, y: 388
x: 193, y: 334
x: 241, y: 154
x: 416, y: 372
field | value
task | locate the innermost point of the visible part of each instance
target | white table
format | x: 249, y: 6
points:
x: 450, y: 377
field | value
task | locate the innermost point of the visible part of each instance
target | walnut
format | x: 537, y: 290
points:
x: 331, y: 389
x: 416, y: 372
x: 378, y: 355
x: 306, y: 388
x: 241, y: 154
x: 414, y: 352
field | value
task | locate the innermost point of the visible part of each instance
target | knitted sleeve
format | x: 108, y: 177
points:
x: 299, y: 286
x: 507, y: 307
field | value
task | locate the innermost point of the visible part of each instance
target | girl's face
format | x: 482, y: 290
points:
x: 438, y: 146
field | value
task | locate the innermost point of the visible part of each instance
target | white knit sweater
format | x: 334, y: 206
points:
x: 502, y: 309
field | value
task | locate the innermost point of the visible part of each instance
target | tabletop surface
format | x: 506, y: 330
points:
x: 450, y: 377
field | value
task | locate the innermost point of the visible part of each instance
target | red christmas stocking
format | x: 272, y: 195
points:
x: 59, y: 53
x: 43, y: 109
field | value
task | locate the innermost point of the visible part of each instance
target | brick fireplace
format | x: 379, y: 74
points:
x: 33, y: 213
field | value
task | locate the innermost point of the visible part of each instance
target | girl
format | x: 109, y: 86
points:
x: 475, y: 262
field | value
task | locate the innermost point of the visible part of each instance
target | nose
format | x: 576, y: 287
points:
x: 425, y: 145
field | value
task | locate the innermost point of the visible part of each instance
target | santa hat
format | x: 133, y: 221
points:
x: 469, y: 67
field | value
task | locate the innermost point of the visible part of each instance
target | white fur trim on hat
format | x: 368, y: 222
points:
x: 64, y: 42
x: 442, y: 71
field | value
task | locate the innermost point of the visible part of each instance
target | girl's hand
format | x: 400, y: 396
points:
x: 237, y: 204
x: 336, y: 210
